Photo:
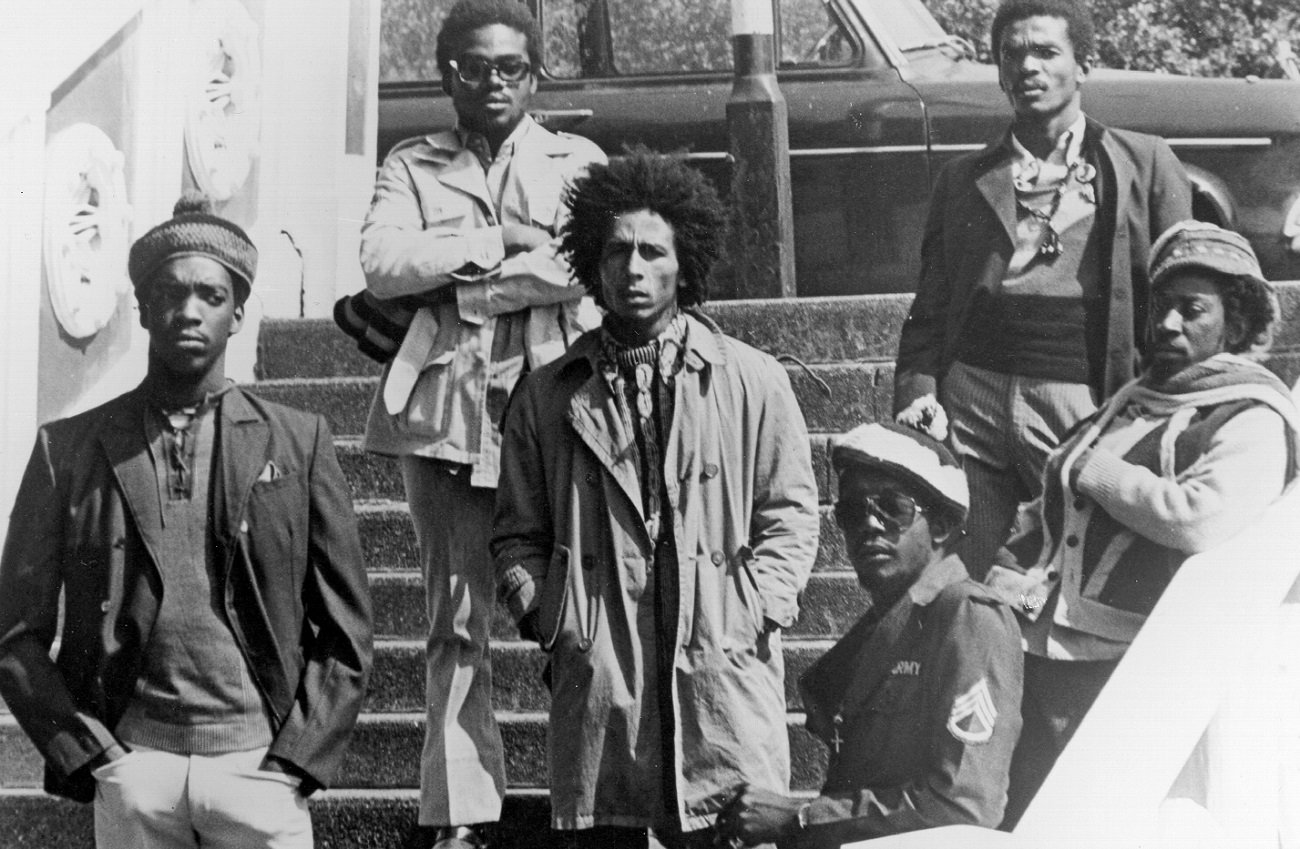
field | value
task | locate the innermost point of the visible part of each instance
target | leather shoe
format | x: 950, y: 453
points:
x: 458, y: 837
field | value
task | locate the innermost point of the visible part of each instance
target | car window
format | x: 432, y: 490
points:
x: 910, y: 24
x: 607, y: 38
x: 812, y: 34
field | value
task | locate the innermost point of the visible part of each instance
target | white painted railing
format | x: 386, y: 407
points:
x: 1219, y: 652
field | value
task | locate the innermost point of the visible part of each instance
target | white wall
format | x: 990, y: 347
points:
x: 312, y: 178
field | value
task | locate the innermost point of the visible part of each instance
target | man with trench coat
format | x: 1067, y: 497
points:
x: 656, y: 520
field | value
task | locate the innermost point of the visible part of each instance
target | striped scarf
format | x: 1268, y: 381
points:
x: 642, y: 378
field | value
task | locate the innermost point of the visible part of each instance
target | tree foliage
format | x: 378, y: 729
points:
x: 1197, y: 37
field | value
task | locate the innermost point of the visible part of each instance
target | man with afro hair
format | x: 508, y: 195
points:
x: 655, y: 523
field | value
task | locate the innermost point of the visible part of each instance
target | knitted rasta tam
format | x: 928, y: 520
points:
x: 195, y: 230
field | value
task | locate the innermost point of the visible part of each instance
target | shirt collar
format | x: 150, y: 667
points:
x: 1068, y: 150
x: 477, y: 144
x: 939, y: 574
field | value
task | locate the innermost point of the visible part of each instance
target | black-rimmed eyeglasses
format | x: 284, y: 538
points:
x: 475, y: 70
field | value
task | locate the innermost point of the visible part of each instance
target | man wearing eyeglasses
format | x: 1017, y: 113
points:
x: 464, y: 221
x: 920, y: 702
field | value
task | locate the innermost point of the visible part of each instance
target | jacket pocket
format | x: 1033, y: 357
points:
x: 551, y: 610
x: 428, y: 411
x: 449, y: 211
x: 742, y: 602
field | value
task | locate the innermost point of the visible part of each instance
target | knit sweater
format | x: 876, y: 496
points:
x: 1156, y: 475
x: 195, y: 694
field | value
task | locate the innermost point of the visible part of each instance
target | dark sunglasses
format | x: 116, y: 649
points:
x: 475, y: 70
x: 895, y: 510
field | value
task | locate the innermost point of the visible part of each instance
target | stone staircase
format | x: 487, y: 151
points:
x: 844, y: 376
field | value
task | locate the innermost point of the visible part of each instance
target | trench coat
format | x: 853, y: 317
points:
x: 570, y: 542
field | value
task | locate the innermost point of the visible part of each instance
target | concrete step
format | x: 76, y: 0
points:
x: 385, y: 752
x: 397, y: 680
x: 834, y: 398
x: 816, y: 330
x: 341, y: 819
x: 831, y: 603
x: 388, y: 538
x: 375, y: 477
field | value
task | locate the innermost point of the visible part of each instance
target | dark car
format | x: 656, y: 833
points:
x: 879, y: 96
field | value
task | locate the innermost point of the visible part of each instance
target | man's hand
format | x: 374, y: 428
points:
x: 757, y: 816
x: 106, y: 757
x: 528, y: 627
x: 521, y: 238
x: 926, y: 415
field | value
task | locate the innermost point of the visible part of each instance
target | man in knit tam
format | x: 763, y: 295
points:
x: 200, y: 544
x: 195, y: 230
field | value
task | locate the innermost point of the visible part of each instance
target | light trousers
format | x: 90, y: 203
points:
x: 462, y: 767
x: 151, y: 799
x: 1003, y: 427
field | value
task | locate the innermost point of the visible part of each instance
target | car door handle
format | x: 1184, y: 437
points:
x: 561, y: 119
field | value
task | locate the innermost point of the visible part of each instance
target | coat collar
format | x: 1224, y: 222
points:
x: 460, y: 170
x: 704, y: 345
x: 994, y: 166
x: 594, y: 414
x: 934, y: 578
x: 243, y: 426
x: 126, y: 445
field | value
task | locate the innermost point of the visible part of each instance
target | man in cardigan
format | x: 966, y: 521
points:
x: 217, y: 631
x: 1033, y: 287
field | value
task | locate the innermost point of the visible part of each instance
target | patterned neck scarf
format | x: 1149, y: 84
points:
x: 641, y: 379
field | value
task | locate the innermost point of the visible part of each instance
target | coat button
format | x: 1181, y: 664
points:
x: 717, y: 558
x: 104, y: 606
x: 710, y: 470
x: 1078, y: 503
x: 584, y: 644
x: 1053, y: 576
x: 1072, y: 540
x: 243, y: 526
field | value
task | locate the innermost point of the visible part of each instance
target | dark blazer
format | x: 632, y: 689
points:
x: 87, y: 522
x: 970, y: 237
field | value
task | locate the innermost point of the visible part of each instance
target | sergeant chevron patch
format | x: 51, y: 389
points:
x: 973, y: 714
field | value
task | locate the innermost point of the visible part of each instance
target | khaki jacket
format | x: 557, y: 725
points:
x: 570, y: 541
x: 920, y: 708
x: 433, y: 225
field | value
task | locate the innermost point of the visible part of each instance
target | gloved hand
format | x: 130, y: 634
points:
x: 926, y: 415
